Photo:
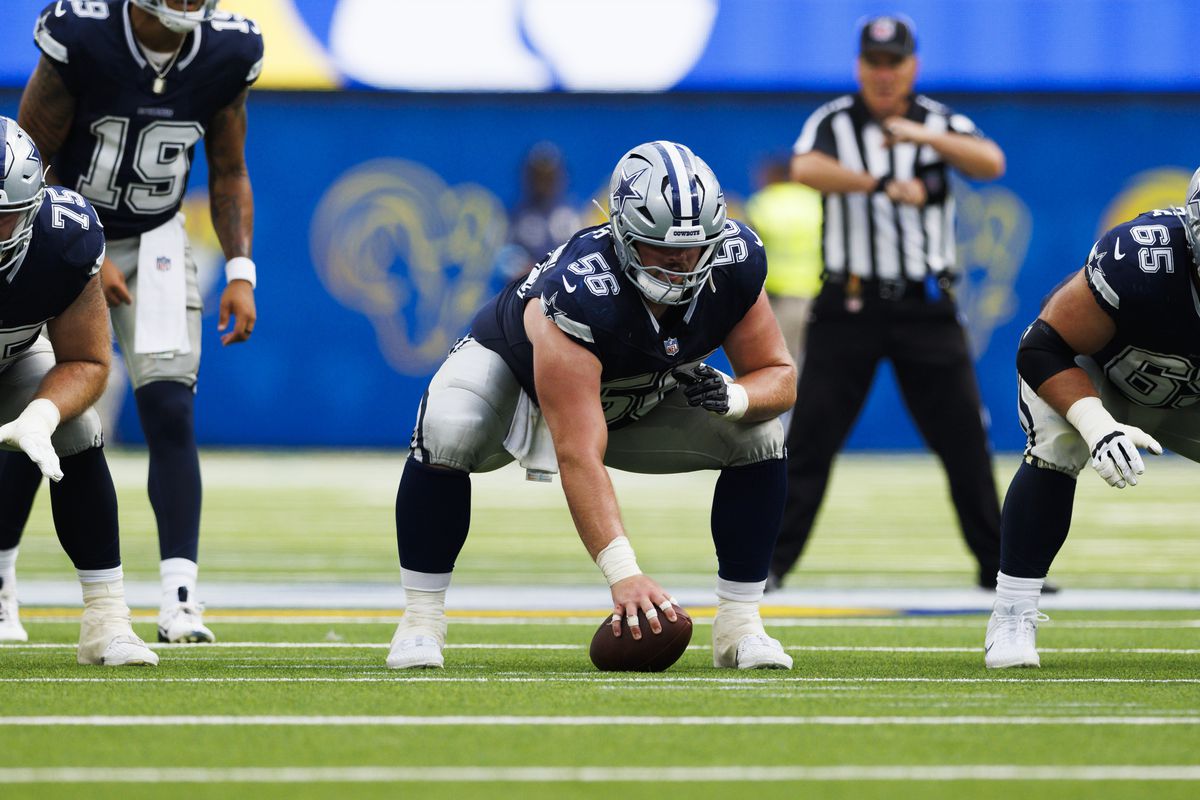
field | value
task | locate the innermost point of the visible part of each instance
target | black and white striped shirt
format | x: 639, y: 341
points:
x: 867, y: 234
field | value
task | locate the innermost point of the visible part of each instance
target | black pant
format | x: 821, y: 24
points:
x: 928, y: 350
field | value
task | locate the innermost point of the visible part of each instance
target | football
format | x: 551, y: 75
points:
x: 653, y: 653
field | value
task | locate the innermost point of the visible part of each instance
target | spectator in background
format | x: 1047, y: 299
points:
x: 882, y: 158
x: 542, y: 218
x: 787, y: 217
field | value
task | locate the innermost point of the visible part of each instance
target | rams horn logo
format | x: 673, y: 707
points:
x: 392, y: 241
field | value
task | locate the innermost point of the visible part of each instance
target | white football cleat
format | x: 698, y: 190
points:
x: 1012, y: 635
x: 741, y: 642
x: 417, y: 643
x: 182, y: 622
x: 759, y: 651
x: 106, y: 637
x: 11, y: 629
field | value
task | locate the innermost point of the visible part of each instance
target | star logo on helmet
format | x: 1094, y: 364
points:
x: 626, y: 190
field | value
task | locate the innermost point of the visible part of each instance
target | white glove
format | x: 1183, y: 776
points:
x: 1114, y: 446
x: 31, y: 432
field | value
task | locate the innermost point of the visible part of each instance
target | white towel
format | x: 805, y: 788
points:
x: 160, y: 297
x: 529, y: 440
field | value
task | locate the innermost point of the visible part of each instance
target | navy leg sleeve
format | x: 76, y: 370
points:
x: 19, y: 481
x: 746, y: 512
x: 165, y: 411
x: 1035, y: 521
x: 433, y: 515
x: 84, y: 504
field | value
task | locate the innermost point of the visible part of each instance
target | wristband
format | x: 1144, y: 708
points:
x: 739, y: 401
x: 45, y: 411
x: 240, y: 268
x: 617, y: 560
x: 1091, y: 419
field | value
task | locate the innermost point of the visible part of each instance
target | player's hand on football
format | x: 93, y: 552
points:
x: 705, y: 387
x: 237, y: 301
x: 639, y: 592
x: 31, y: 432
x: 1115, y: 455
x: 116, y: 291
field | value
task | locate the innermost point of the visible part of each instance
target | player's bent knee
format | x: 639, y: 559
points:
x: 460, y: 430
x: 78, y: 434
x: 751, y: 444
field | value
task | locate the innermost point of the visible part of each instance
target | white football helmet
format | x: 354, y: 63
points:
x: 180, y: 20
x: 22, y: 188
x: 1192, y: 208
x: 662, y: 194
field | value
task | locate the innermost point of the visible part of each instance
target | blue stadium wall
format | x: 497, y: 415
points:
x: 379, y: 219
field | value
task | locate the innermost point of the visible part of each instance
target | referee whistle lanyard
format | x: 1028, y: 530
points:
x: 854, y: 301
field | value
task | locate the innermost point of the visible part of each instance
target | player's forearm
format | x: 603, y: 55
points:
x: 591, y: 499
x: 232, y: 204
x: 1063, y: 390
x: 826, y: 174
x: 74, y: 386
x: 770, y: 390
x: 974, y: 157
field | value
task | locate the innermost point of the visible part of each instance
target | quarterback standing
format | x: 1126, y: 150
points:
x: 121, y: 95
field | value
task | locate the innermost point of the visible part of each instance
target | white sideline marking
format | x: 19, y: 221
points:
x: 581, y: 646
x: 450, y: 720
x: 968, y: 621
x: 624, y: 679
x: 606, y: 774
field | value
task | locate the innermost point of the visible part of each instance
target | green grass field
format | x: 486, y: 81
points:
x: 298, y: 703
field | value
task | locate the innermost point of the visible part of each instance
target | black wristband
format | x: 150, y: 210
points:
x: 881, y: 184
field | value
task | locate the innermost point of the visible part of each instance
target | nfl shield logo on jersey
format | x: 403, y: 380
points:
x: 163, y: 263
x: 672, y: 346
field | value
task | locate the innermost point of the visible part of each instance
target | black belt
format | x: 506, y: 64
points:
x: 929, y: 290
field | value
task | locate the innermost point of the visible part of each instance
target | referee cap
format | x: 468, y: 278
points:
x: 893, y: 34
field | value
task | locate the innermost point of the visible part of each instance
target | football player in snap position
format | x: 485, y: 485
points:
x: 596, y: 359
x: 1111, y: 365
x: 121, y: 95
x: 51, y: 248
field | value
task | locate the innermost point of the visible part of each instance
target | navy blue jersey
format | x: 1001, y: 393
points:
x: 1143, y: 273
x: 65, y: 252
x: 585, y: 292
x: 129, y: 150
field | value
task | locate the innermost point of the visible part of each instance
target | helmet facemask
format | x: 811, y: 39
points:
x: 22, y: 189
x: 180, y: 20
x: 663, y: 195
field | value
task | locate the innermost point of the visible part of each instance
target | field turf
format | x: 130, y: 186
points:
x: 297, y: 703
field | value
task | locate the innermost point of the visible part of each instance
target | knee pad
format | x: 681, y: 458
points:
x: 1052, y: 442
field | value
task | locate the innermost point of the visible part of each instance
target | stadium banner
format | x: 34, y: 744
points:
x: 380, y: 222
x: 696, y: 45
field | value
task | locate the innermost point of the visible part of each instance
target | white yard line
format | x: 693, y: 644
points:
x: 580, y: 646
x: 624, y: 680
x: 458, y: 720
x: 604, y: 774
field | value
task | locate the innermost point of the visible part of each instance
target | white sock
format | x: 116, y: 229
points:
x: 8, y: 568
x: 1010, y: 590
x: 739, y: 591
x: 177, y: 573
x: 99, y: 584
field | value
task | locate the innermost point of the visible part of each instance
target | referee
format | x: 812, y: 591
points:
x: 881, y: 159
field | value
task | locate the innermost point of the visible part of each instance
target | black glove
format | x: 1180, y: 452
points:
x: 705, y: 387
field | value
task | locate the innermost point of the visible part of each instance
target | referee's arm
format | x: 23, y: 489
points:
x: 974, y: 156
x: 826, y: 174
